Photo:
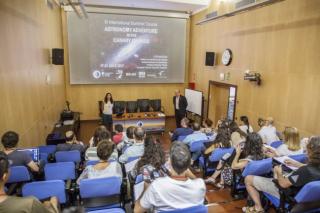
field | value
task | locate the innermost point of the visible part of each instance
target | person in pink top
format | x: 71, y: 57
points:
x: 119, y: 136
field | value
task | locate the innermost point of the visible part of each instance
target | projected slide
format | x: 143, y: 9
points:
x: 111, y: 49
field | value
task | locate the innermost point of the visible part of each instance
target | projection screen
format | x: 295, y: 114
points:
x: 117, y: 48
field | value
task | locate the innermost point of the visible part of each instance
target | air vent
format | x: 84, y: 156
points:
x: 244, y: 3
x: 241, y: 7
x: 212, y: 14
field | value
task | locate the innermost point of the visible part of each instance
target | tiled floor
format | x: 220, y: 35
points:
x: 219, y: 200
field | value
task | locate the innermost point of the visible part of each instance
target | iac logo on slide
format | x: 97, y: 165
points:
x: 96, y: 74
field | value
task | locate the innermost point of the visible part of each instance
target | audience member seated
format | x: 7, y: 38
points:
x: 237, y: 135
x: 10, y: 141
x: 221, y: 141
x: 119, y: 136
x: 207, y: 127
x: 103, y: 168
x: 71, y: 143
x: 184, y: 130
x: 252, y: 150
x: 151, y: 163
x: 197, y: 135
x: 245, y: 125
x: 19, y: 204
x: 137, y: 149
x: 91, y: 141
x: 291, y: 145
x: 268, y: 132
x: 100, y: 134
x: 303, y: 143
x: 128, y: 139
x: 176, y: 191
x: 294, y: 181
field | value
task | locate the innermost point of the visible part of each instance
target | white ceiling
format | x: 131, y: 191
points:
x: 176, y: 5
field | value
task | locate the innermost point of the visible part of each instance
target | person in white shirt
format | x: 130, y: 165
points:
x: 245, y: 125
x: 107, y: 111
x: 268, y: 132
x: 175, y: 191
x: 101, y: 133
x: 291, y: 145
x: 103, y: 168
x: 137, y: 149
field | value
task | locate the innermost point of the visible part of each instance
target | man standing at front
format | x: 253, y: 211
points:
x: 180, y: 105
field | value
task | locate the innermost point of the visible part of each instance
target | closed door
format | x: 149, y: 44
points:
x: 218, y: 102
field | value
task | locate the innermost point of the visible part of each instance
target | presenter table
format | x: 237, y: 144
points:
x: 58, y: 133
x: 152, y: 122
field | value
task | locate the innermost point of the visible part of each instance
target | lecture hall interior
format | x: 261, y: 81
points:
x: 174, y: 106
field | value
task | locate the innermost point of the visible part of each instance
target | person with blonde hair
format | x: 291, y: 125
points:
x: 291, y: 145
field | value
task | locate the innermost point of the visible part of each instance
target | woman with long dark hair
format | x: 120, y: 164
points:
x: 245, y: 126
x: 151, y: 162
x: 107, y: 111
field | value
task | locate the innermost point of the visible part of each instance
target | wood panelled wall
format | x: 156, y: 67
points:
x: 29, y: 104
x: 84, y: 98
x: 282, y: 43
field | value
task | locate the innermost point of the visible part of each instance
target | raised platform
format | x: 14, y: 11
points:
x: 150, y: 121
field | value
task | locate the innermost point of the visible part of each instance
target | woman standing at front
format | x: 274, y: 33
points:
x: 107, y: 112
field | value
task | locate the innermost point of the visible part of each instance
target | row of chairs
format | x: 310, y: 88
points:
x: 307, y: 198
x: 95, y: 194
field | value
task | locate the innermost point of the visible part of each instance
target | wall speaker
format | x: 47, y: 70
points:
x: 57, y: 56
x: 210, y: 58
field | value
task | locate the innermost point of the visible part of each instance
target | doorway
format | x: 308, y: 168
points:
x: 221, y: 101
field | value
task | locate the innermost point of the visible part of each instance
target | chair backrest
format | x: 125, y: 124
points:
x: 302, y: 158
x: 112, y: 210
x: 193, y: 209
x: 48, y: 149
x: 138, y: 187
x: 44, y: 157
x: 218, y: 153
x: 100, y: 192
x: 132, y: 106
x: 143, y: 105
x: 156, y: 104
x: 258, y: 167
x: 131, y: 163
x: 60, y: 171
x: 100, y: 187
x: 45, y: 189
x: 196, y: 146
x: 18, y: 174
x: 91, y: 162
x: 94, y: 162
x: 68, y: 156
x: 309, y: 193
x: 182, y: 137
x: 276, y: 144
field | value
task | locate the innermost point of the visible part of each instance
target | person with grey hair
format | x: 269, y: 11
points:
x: 268, y: 132
x: 184, y: 130
x: 137, y: 149
x: 180, y: 104
x: 176, y: 191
